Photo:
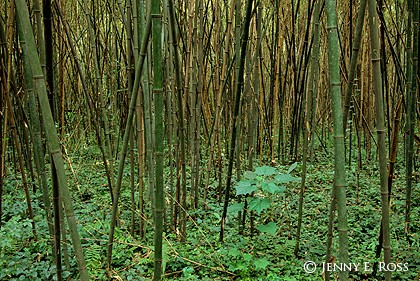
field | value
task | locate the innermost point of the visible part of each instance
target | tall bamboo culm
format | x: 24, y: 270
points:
x: 380, y: 130
x: 158, y: 202
x: 340, y: 183
x: 133, y: 101
x: 25, y: 31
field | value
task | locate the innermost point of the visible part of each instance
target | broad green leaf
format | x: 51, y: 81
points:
x: 245, y: 187
x: 249, y: 175
x: 246, y: 182
x: 236, y: 207
x: 259, y: 204
x: 265, y: 171
x: 285, y: 178
x: 270, y: 227
x: 272, y: 187
x: 247, y: 257
x: 234, y: 252
x: 261, y: 264
x: 292, y: 167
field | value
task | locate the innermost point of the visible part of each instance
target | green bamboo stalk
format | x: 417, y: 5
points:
x: 380, y: 130
x: 340, y: 183
x: 126, y: 138
x: 392, y: 161
x: 141, y: 117
x: 158, y: 207
x: 129, y: 54
x: 413, y: 77
x: 191, y: 32
x: 35, y: 129
x: 148, y: 115
x: 170, y: 90
x: 141, y: 161
x: 25, y: 31
x: 149, y: 130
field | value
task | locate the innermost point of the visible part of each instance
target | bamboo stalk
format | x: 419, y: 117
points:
x: 126, y: 138
x: 25, y: 31
x: 340, y: 183
x: 380, y: 130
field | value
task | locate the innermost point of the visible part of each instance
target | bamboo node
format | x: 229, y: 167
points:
x: 55, y: 151
x: 343, y: 229
x: 329, y: 28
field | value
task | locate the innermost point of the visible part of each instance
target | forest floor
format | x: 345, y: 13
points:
x: 266, y: 255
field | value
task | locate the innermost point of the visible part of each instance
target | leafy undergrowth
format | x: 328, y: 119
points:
x: 265, y: 254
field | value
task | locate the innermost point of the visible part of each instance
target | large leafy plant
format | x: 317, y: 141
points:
x: 262, y: 187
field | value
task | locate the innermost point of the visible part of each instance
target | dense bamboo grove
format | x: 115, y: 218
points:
x: 183, y: 97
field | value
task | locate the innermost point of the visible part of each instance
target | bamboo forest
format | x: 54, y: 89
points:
x: 209, y: 140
